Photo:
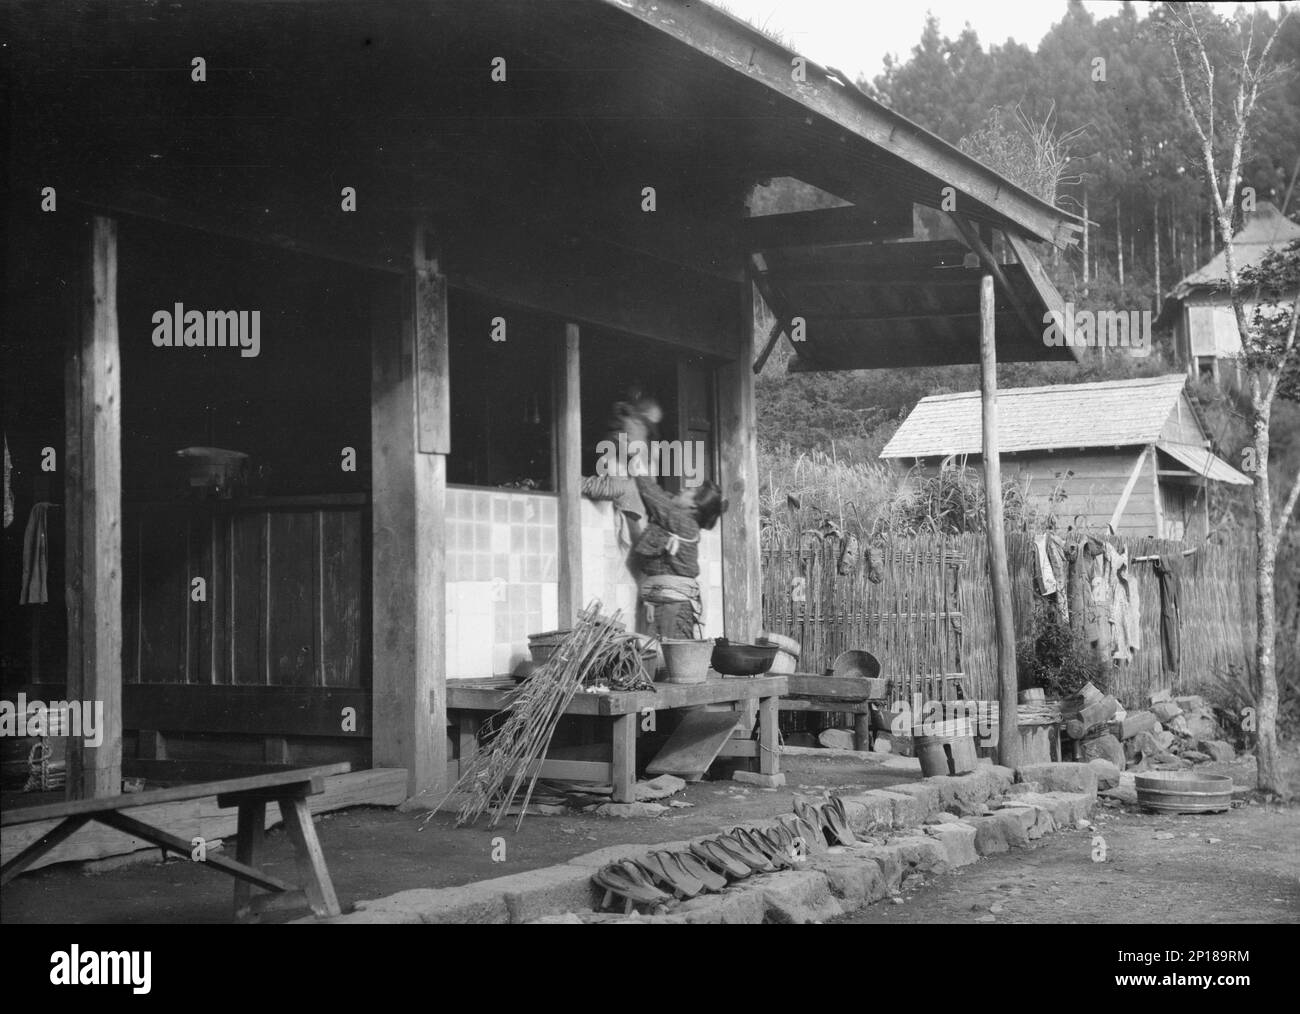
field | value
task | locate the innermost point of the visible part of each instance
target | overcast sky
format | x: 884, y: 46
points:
x: 855, y: 35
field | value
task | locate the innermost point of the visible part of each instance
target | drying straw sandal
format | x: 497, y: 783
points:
x: 837, y: 821
x: 797, y: 835
x: 617, y: 880
x: 759, y: 844
x: 701, y: 871
x: 710, y: 852
x: 788, y: 842
x: 683, y: 883
x: 776, y: 854
x: 743, y: 851
x: 811, y: 818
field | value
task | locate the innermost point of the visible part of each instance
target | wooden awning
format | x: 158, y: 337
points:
x: 897, y: 303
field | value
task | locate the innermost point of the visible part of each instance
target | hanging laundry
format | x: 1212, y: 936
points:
x: 1168, y: 572
x: 1051, y: 573
x: 1044, y: 578
x: 1125, y: 628
x: 1096, y: 594
x: 9, y: 490
x: 35, y: 557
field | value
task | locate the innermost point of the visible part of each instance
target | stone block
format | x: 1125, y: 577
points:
x: 1060, y: 777
x: 1106, y: 747
x: 795, y: 896
x: 1107, y: 772
x: 919, y: 853
x: 958, y: 841
x: 1165, y: 711
x: 1218, y: 749
x: 758, y: 778
x: 853, y: 880
x: 548, y: 891
x: 927, y: 796
x: 732, y: 907
x: 990, y: 835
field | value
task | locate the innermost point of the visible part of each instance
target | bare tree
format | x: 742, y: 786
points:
x: 1268, y: 357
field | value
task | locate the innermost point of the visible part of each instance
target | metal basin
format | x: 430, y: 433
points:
x: 1183, y: 792
x: 742, y: 659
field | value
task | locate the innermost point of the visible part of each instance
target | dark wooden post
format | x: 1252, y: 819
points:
x: 93, y: 515
x: 568, y: 477
x: 999, y: 570
x: 742, y: 588
x: 409, y: 439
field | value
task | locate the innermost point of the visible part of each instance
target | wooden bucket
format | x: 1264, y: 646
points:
x: 949, y: 752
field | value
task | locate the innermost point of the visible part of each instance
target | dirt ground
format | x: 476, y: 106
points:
x: 374, y: 851
x: 1235, y: 867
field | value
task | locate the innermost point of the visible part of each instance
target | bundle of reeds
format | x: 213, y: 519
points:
x: 597, y: 652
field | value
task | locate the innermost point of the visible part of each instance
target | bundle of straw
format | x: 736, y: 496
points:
x: 596, y: 651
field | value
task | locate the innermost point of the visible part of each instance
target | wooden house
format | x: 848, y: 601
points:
x: 1129, y: 454
x: 467, y: 226
x: 1198, y: 310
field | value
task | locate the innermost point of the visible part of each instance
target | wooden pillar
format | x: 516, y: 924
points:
x: 92, y: 464
x: 409, y: 441
x: 568, y: 477
x: 738, y: 461
x: 999, y: 569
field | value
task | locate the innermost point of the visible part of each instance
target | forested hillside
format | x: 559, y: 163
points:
x: 1107, y: 85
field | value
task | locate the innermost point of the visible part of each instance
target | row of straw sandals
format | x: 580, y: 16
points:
x: 665, y: 876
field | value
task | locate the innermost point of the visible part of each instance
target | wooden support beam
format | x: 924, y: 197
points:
x: 568, y: 475
x: 738, y: 460
x: 93, y: 516
x: 409, y: 439
x: 829, y: 226
x: 999, y: 568
x: 1128, y: 489
x: 979, y: 245
x: 1155, y: 494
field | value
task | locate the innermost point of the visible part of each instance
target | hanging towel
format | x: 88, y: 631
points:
x: 1125, y: 630
x: 35, y: 558
x: 1043, y: 574
x: 9, y: 490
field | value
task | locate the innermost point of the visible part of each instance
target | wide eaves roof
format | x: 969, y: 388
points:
x: 1107, y: 414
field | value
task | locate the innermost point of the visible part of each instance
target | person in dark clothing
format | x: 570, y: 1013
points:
x: 669, y: 553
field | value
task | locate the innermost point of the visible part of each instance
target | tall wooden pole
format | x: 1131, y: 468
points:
x: 569, y: 477
x: 93, y: 516
x: 999, y: 571
x: 409, y: 442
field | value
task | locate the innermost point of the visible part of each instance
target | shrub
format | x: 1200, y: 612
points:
x: 1057, y: 658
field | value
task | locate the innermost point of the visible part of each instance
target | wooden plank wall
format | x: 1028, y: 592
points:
x: 287, y: 603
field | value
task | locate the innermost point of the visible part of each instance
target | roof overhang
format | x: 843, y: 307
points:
x: 932, y: 163
x: 1203, y: 464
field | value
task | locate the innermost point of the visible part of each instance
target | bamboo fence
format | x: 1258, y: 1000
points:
x: 930, y: 620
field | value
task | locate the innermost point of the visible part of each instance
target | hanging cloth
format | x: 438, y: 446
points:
x: 1168, y: 568
x: 35, y: 557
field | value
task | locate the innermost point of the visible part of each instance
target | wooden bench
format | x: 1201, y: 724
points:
x: 838, y: 694
x: 249, y: 795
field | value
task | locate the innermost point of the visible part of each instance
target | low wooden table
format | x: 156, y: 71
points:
x: 471, y: 702
x: 289, y: 789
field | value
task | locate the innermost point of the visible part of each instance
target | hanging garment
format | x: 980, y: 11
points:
x: 1125, y: 629
x: 1096, y: 594
x: 1044, y: 576
x: 35, y: 558
x: 9, y: 490
x: 1168, y: 568
x: 1076, y: 584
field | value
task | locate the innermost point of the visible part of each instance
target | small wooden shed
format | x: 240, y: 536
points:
x: 1129, y: 454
